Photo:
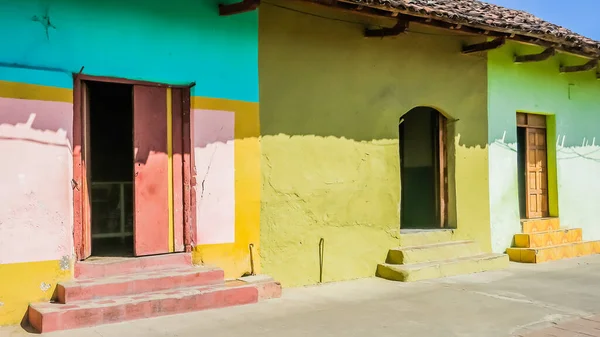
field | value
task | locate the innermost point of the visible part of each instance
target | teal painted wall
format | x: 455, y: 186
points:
x: 175, y: 42
x: 572, y: 102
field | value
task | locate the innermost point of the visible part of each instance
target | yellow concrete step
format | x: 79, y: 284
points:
x: 553, y: 253
x: 551, y: 238
x: 451, y: 267
x: 432, y: 252
x: 540, y: 225
x: 414, y: 237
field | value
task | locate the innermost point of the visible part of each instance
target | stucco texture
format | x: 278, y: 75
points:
x: 572, y: 103
x: 233, y: 256
x: 179, y: 42
x: 36, y: 226
x: 331, y: 101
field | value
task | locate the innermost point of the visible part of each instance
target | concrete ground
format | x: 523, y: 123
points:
x: 513, y: 302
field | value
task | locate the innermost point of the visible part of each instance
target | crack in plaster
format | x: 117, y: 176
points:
x: 206, y: 174
x: 45, y: 21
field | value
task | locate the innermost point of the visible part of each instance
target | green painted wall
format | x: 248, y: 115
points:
x: 330, y: 105
x: 572, y: 103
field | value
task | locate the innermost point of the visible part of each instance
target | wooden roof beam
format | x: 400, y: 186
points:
x: 238, y: 7
x: 546, y: 54
x: 424, y: 18
x: 484, y: 46
x: 591, y: 64
x: 400, y: 27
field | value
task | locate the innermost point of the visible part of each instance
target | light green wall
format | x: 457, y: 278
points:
x: 572, y: 102
x: 330, y: 105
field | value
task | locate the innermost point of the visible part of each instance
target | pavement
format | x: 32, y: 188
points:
x: 553, y: 299
x: 584, y: 327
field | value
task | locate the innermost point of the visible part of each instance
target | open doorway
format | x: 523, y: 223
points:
x: 423, y: 169
x: 132, y: 168
x: 111, y: 144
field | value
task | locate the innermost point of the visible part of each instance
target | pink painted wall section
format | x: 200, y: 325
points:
x: 35, y: 170
x: 215, y: 191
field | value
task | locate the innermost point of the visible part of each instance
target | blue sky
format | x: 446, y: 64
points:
x: 579, y: 16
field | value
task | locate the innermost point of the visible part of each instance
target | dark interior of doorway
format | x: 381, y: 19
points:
x: 521, y: 163
x: 420, y: 169
x: 111, y: 144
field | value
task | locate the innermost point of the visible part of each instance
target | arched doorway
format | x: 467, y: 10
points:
x: 423, y: 169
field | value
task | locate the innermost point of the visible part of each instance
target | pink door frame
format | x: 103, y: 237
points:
x: 81, y: 208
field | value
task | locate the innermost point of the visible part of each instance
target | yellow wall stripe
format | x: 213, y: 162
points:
x: 247, y: 122
x: 170, y: 168
x: 35, y: 92
x: 234, y: 257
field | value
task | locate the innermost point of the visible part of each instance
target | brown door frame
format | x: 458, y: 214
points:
x: 531, y: 122
x: 81, y: 201
x: 442, y: 170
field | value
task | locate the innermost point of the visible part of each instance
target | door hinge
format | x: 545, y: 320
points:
x: 74, y: 184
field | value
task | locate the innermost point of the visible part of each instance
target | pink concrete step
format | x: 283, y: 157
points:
x: 107, y: 266
x: 47, y: 317
x: 136, y: 283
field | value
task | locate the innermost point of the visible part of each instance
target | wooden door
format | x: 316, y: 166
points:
x: 152, y: 194
x: 442, y: 170
x: 82, y: 172
x: 536, y: 171
x: 81, y: 183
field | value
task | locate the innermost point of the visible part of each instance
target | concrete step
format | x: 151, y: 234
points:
x: 47, y: 317
x: 540, y: 225
x: 432, y: 252
x: 107, y: 266
x: 553, y: 253
x: 136, y: 283
x: 424, y: 237
x: 438, y: 269
x: 550, y: 238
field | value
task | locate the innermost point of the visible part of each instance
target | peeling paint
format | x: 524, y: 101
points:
x: 45, y: 286
x: 24, y: 283
x: 65, y: 263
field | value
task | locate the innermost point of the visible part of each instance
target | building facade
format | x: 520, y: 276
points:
x: 185, y: 45
x: 569, y: 104
x: 134, y: 129
x: 330, y: 156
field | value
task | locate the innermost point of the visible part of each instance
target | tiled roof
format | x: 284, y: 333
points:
x: 479, y: 14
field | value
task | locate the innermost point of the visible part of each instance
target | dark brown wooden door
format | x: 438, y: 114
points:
x: 536, y: 171
x: 442, y: 171
x: 152, y: 227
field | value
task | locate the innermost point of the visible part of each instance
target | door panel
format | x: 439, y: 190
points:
x: 537, y: 173
x: 87, y: 172
x: 442, y: 170
x: 151, y: 171
x: 82, y: 233
x: 178, y: 210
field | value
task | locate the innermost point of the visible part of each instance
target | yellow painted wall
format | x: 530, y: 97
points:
x: 234, y: 258
x: 330, y: 105
x: 24, y: 283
